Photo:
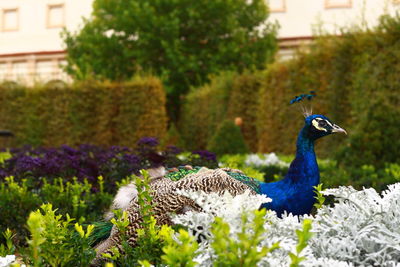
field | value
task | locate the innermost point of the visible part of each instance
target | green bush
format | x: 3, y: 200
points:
x: 359, y: 177
x: 17, y: 200
x: 87, y: 112
x: 53, y: 241
x: 228, y: 139
x: 243, y: 251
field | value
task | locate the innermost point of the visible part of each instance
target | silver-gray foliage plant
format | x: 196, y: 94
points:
x: 361, y: 229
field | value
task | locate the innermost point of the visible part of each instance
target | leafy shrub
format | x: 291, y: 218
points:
x: 228, y: 139
x: 180, y: 250
x: 53, y: 240
x: 243, y: 251
x: 8, y: 248
x: 333, y: 175
x: 17, y: 200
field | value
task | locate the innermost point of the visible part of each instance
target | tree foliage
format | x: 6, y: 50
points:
x: 182, y: 41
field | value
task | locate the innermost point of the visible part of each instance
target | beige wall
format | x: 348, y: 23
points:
x: 299, y: 18
x: 34, y: 33
x: 33, y: 51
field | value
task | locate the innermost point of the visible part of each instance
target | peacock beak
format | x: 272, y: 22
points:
x: 337, y: 129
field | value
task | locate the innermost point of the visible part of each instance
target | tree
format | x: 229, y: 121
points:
x: 182, y: 41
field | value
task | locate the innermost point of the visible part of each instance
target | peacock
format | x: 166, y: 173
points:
x: 293, y: 194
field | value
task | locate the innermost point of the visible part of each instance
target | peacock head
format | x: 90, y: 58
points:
x: 318, y: 126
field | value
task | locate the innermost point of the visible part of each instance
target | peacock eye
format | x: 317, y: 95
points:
x: 322, y: 123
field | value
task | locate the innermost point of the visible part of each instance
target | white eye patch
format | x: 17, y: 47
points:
x: 316, y: 121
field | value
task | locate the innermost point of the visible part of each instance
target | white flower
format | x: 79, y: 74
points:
x: 263, y: 160
x: 7, y: 260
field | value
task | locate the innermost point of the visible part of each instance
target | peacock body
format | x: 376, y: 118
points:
x: 293, y: 194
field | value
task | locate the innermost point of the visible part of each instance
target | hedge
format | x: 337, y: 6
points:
x: 89, y: 112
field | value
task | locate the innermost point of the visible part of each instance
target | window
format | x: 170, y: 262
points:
x: 276, y: 5
x: 10, y: 20
x: 19, y: 69
x: 55, y: 16
x: 338, y: 3
x: 3, y: 71
x: 44, y: 69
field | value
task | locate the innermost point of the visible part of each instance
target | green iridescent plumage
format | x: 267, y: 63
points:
x: 182, y: 172
x: 250, y: 182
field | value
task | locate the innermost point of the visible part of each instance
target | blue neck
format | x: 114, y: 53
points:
x: 304, y: 168
x: 295, y: 193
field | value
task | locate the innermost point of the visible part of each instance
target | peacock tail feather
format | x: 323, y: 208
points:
x: 249, y: 181
x: 101, y: 232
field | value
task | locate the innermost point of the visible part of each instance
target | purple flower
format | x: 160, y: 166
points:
x: 204, y: 154
x: 148, y: 141
x: 27, y: 163
x: 69, y: 150
x: 88, y: 161
x: 131, y: 159
x: 173, y: 150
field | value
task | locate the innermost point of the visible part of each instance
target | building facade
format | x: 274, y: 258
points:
x: 301, y: 20
x: 31, y: 48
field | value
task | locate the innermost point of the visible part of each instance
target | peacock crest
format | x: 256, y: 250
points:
x: 306, y: 107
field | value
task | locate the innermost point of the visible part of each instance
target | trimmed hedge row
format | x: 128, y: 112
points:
x: 90, y: 112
